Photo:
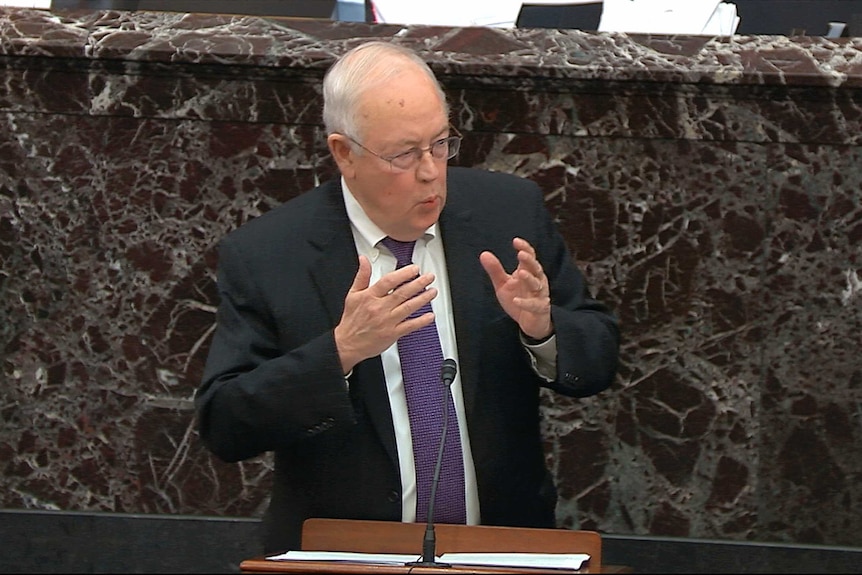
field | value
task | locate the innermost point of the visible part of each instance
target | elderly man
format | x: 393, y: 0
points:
x: 339, y: 307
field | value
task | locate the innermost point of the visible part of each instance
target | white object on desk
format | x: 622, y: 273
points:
x: 349, y: 556
x: 42, y: 4
x: 836, y: 29
x: 566, y: 561
x: 669, y: 17
x: 497, y: 13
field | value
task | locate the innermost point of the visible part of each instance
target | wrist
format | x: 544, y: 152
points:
x: 347, y: 356
x: 536, y: 341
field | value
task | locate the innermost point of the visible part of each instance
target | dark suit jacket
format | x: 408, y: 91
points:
x: 273, y: 381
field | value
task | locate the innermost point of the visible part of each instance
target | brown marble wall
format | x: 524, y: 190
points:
x: 709, y: 187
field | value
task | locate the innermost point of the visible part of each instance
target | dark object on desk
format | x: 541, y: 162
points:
x: 780, y: 17
x: 572, y: 16
x: 291, y: 8
x: 812, y: 17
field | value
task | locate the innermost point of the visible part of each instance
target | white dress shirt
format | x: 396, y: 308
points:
x: 428, y: 254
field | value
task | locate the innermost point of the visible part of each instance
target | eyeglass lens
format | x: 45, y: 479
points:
x: 442, y: 149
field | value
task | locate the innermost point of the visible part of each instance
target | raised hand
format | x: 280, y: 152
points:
x: 524, y: 294
x: 375, y: 316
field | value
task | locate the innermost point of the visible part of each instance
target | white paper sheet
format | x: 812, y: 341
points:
x: 724, y: 21
x: 567, y: 561
x: 42, y: 4
x: 668, y: 17
x: 379, y: 558
x: 564, y: 561
x: 498, y: 13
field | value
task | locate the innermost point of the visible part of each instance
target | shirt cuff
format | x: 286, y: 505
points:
x: 543, y: 355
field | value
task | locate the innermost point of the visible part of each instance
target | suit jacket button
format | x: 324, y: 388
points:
x: 393, y: 496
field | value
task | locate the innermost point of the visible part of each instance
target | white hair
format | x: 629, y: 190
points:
x: 358, y: 70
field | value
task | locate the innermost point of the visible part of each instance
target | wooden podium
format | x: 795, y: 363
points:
x: 406, y: 538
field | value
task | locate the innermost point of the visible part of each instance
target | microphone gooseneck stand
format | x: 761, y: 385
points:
x: 429, y: 542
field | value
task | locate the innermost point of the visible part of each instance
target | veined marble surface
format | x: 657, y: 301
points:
x: 710, y: 187
x: 562, y: 54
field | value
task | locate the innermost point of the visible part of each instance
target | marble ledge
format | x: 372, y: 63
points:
x: 523, y: 54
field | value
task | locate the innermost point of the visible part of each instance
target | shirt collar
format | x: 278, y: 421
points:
x: 365, y: 228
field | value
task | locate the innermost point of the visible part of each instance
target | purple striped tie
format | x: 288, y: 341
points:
x: 421, y: 359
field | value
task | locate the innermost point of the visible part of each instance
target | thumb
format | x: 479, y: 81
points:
x: 362, y: 279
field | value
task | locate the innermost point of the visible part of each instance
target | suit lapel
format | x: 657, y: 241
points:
x: 468, y: 286
x: 336, y: 264
x: 332, y: 274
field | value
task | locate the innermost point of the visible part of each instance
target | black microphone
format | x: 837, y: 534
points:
x: 429, y: 543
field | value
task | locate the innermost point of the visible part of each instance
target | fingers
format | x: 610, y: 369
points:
x: 522, y: 245
x: 527, y: 256
x: 532, y: 282
x: 391, y: 281
x: 375, y: 316
x: 411, y: 324
x: 529, y: 269
x: 402, y: 292
x: 529, y: 276
x: 408, y: 298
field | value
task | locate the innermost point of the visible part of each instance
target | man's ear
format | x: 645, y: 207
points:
x: 342, y: 152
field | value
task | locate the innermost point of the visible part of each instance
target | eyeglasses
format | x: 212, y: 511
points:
x: 443, y: 149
